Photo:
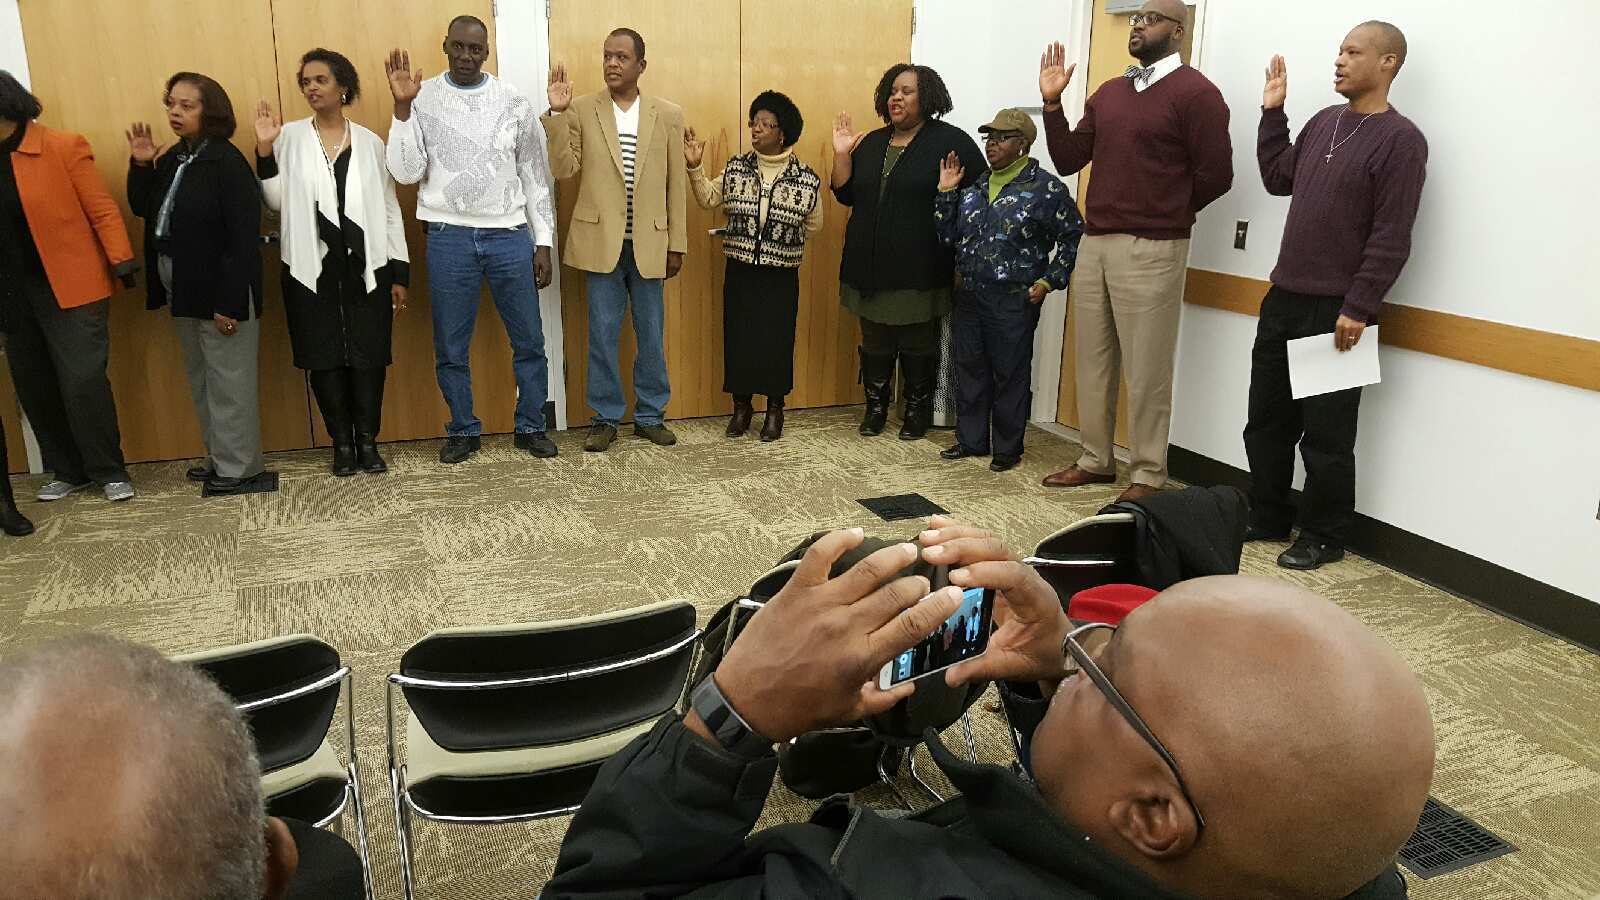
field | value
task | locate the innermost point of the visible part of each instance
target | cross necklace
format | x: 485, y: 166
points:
x: 1332, y: 146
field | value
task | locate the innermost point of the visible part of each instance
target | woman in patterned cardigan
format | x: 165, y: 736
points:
x: 774, y: 203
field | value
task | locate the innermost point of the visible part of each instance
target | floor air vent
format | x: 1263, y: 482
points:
x: 901, y: 506
x: 1445, y: 841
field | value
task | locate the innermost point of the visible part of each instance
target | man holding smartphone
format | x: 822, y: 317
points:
x: 1109, y: 814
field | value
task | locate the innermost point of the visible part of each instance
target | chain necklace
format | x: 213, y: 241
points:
x: 1332, y: 146
x: 330, y: 159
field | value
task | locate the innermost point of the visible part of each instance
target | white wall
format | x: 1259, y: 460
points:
x: 988, y: 64
x: 1497, y: 465
x: 522, y: 46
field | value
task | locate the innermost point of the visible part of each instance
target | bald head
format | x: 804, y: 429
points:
x: 1155, y: 40
x: 1387, y: 39
x: 1305, y: 740
x: 1174, y: 9
x: 122, y: 775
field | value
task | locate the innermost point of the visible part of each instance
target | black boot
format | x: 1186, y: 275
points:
x: 772, y: 426
x: 739, y: 423
x: 922, y: 373
x: 877, y: 376
x: 331, y: 387
x: 12, y: 521
x: 367, y: 392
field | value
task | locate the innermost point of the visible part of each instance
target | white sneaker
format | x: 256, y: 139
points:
x: 119, y: 490
x: 55, y: 490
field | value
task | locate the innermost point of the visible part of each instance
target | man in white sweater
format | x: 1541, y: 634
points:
x: 476, y: 146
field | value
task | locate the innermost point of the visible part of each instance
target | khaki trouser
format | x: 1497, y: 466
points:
x: 1127, y: 294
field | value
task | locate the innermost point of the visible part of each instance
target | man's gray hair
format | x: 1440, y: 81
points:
x: 203, y: 831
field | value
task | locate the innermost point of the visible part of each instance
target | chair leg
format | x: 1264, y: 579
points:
x: 361, y: 828
x: 883, y: 775
x: 966, y: 729
x: 402, y: 832
x: 937, y: 797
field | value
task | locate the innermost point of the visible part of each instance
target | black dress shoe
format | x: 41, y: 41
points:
x: 958, y: 452
x: 13, y: 522
x: 457, y: 447
x: 200, y: 473
x: 1309, y: 553
x: 1001, y: 464
x: 1255, y: 532
x: 218, y: 484
x: 536, y: 443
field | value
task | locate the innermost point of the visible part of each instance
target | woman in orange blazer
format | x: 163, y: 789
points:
x: 61, y: 241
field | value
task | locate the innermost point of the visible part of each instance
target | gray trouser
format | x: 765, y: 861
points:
x: 58, y: 362
x: 222, y: 381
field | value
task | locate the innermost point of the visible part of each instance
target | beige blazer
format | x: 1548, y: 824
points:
x: 583, y: 141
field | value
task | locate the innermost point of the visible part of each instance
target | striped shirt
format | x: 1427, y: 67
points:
x: 628, y: 140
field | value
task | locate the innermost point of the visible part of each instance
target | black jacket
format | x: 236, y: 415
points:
x: 216, y: 227
x: 1185, y: 534
x: 894, y: 244
x: 670, y: 815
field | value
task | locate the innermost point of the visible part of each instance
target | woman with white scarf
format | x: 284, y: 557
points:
x: 345, y: 265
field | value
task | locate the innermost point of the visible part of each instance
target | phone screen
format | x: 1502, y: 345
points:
x: 962, y: 636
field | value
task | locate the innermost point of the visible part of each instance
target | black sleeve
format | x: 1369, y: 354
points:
x: 400, y: 272
x: 266, y: 166
x: 241, y: 217
x: 329, y: 867
x: 846, y: 193
x: 141, y: 187
x: 668, y: 814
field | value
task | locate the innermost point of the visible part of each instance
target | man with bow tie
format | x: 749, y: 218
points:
x: 1159, y: 139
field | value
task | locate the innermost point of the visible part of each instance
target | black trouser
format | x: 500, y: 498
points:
x: 58, y: 362
x: 1324, y: 426
x: 994, y: 327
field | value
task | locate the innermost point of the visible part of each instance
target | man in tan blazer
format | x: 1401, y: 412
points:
x: 628, y: 229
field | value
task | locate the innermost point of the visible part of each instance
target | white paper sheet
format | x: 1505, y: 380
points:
x: 1315, y: 367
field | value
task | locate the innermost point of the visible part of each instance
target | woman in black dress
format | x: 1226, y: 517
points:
x: 773, y: 202
x: 895, y: 275
x: 345, y: 266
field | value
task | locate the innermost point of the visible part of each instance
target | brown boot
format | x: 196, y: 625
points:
x: 739, y: 423
x: 1072, y: 476
x: 772, y: 427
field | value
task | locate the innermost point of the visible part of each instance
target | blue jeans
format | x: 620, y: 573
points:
x: 608, y: 301
x: 459, y: 259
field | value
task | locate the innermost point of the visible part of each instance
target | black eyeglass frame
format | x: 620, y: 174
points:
x: 1140, y: 19
x: 1070, y: 647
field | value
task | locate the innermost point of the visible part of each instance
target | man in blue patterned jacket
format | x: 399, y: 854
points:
x: 1003, y: 228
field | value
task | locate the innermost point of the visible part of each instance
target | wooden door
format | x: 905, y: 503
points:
x: 365, y: 31
x: 100, y: 64
x: 712, y: 57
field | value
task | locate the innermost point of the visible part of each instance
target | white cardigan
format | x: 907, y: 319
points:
x: 304, y: 188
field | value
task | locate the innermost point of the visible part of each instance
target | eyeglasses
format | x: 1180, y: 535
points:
x: 1141, y: 19
x: 999, y: 137
x: 1085, y: 664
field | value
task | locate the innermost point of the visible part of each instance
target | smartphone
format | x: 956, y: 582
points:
x: 961, y: 637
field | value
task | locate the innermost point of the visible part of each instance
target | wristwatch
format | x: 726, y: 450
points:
x: 733, y: 734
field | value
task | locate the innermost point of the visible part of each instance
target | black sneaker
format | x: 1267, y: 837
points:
x: 457, y: 447
x: 536, y: 443
x: 1309, y: 553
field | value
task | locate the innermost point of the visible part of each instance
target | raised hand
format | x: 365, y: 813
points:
x: 404, y: 84
x: 141, y: 145
x: 844, y: 137
x: 694, y: 151
x: 1277, y: 89
x: 560, y: 90
x: 1054, y: 74
x: 267, y: 127
x: 951, y: 172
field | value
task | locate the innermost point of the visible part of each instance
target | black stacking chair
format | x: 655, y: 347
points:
x: 512, y: 723
x: 1088, y: 553
x: 288, y: 689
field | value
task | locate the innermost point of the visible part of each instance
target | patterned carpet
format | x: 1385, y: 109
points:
x: 372, y: 563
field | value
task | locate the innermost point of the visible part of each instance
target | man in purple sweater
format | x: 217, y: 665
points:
x: 1356, y: 175
x: 1159, y: 141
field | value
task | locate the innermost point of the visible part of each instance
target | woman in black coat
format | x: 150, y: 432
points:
x: 202, y: 223
x: 895, y: 275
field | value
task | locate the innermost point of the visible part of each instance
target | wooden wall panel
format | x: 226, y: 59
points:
x: 100, y: 64
x: 365, y: 31
x: 831, y: 64
x: 692, y: 54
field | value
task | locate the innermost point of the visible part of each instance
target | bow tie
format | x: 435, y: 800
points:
x: 1139, y: 73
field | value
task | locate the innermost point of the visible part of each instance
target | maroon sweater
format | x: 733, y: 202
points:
x: 1159, y: 156
x: 1349, y: 228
